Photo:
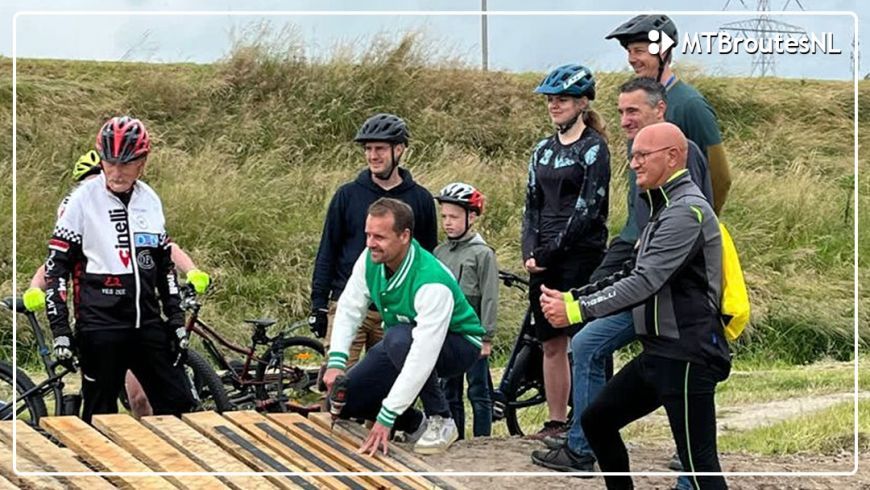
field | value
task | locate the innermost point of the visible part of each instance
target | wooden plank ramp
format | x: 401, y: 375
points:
x: 205, y: 452
x: 288, y: 444
x: 203, y: 442
x: 398, y: 458
x: 317, y: 437
x: 102, y: 453
x: 158, y: 454
x: 51, y: 457
x: 25, y: 464
x: 233, y: 439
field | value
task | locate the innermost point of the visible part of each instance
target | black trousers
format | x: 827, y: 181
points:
x: 371, y: 379
x: 106, y: 355
x: 687, y: 392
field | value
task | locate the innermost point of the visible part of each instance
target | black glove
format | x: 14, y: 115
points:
x: 318, y: 322
x: 180, y: 341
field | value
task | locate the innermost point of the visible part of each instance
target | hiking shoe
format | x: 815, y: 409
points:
x: 439, y: 435
x: 556, y: 441
x: 564, y: 459
x: 551, y: 428
x: 675, y: 464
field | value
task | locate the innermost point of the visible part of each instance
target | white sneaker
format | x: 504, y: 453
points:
x: 413, y: 437
x: 440, y: 434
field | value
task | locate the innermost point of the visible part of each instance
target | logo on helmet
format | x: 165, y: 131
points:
x: 574, y: 79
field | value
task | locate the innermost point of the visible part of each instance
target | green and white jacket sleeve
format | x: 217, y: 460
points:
x: 434, y: 306
x: 352, y: 308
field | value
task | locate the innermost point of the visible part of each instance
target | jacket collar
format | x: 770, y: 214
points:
x: 466, y: 239
x: 661, y: 197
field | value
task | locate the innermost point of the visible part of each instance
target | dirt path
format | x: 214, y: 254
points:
x: 753, y: 415
x: 512, y: 454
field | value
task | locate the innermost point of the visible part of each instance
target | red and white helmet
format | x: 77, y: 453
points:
x: 463, y: 195
x: 123, y: 139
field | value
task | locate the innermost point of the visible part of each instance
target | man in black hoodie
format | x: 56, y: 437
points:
x: 384, y: 138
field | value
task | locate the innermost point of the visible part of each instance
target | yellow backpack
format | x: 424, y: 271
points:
x: 735, y: 298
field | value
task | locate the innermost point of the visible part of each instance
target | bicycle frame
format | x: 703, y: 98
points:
x: 210, y: 338
x: 54, y: 383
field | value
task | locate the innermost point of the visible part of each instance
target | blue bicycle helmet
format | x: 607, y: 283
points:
x: 571, y: 79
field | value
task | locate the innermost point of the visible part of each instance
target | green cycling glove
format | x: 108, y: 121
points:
x: 199, y: 279
x: 34, y: 299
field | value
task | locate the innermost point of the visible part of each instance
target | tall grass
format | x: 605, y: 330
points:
x: 249, y: 151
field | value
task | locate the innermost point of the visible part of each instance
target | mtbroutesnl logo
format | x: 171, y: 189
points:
x: 718, y: 42
x: 656, y: 47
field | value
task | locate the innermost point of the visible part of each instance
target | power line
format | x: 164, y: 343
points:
x: 763, y: 27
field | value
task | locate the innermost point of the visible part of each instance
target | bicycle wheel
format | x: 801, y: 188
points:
x: 209, y: 389
x: 28, y: 409
x: 525, y: 409
x: 290, y: 383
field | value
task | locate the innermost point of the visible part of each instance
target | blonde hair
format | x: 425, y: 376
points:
x: 594, y: 120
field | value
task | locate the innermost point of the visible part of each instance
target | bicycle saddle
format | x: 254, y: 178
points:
x: 262, y: 322
x: 18, y: 302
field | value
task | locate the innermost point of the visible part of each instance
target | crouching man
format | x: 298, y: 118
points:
x: 430, y: 331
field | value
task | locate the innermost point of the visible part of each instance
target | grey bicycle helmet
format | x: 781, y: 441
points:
x: 637, y: 28
x: 383, y: 127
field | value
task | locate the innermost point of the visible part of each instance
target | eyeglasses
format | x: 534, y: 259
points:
x: 641, y: 156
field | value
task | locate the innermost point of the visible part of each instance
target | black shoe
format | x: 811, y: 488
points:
x: 557, y: 441
x: 675, y: 464
x: 563, y: 459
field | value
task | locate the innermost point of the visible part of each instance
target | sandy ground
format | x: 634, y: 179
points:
x: 512, y: 454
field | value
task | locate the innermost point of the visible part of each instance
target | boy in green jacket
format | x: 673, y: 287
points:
x: 473, y: 264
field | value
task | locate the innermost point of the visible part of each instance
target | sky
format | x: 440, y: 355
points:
x: 516, y: 43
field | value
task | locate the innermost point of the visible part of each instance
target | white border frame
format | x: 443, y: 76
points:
x: 417, y: 13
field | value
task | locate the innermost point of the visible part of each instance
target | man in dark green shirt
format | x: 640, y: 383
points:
x: 687, y: 108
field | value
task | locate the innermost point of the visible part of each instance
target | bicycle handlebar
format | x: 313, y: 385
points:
x: 510, y: 279
x: 15, y: 304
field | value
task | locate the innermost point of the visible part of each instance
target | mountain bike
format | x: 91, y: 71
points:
x: 30, y: 401
x: 282, y: 378
x: 520, y: 397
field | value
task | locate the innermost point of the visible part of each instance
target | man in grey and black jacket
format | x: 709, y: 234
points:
x: 674, y: 293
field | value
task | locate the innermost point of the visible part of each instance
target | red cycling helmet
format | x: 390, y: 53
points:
x: 123, y: 139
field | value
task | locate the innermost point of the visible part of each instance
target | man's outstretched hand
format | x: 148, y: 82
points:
x: 379, y: 437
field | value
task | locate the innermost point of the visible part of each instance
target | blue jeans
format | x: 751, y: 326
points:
x: 478, y: 394
x: 591, y: 347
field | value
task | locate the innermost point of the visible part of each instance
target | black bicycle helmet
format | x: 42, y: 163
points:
x: 637, y: 28
x: 383, y: 127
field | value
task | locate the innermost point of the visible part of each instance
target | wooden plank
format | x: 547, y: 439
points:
x: 25, y: 465
x: 233, y: 440
x: 51, y: 457
x: 6, y: 484
x: 398, y: 458
x: 150, y: 449
x: 295, y: 449
x: 339, y: 450
x: 206, y: 453
x: 102, y: 453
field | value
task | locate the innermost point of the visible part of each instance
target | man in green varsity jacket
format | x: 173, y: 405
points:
x: 430, y: 330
